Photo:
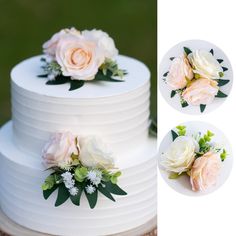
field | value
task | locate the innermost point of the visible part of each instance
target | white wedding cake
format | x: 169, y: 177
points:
x: 116, y: 112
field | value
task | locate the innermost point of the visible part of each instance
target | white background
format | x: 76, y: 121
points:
x: 214, y: 214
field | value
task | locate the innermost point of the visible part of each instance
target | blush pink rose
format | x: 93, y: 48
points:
x: 50, y: 46
x: 78, y: 57
x: 201, y: 91
x: 58, y: 150
x: 180, y: 71
x: 205, y: 171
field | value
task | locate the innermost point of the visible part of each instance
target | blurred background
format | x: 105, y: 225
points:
x: 26, y: 24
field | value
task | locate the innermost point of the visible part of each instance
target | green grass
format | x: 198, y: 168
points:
x: 26, y: 24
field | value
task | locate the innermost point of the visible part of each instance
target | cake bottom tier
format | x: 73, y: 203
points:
x: 21, y: 196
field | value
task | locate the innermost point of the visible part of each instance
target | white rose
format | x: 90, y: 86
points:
x: 104, y: 42
x: 94, y: 153
x: 180, y: 155
x: 58, y: 150
x: 205, y: 64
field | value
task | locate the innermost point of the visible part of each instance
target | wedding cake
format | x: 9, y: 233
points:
x: 79, y: 128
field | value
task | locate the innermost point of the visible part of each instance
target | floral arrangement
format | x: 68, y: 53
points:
x: 79, y: 165
x: 73, y: 56
x: 196, y: 76
x: 195, y: 156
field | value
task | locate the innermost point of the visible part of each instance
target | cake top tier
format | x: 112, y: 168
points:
x: 25, y: 77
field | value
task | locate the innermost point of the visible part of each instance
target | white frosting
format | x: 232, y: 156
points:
x: 117, y: 111
x: 21, y: 197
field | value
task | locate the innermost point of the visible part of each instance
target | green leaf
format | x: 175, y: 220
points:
x: 62, y: 196
x: 173, y: 175
x: 174, y: 135
x: 108, y: 77
x: 172, y: 58
x: 76, y: 199
x: 92, y: 198
x: 212, y: 52
x: 221, y: 95
x: 223, y: 155
x: 224, y: 68
x: 81, y: 173
x: 47, y: 193
x: 173, y: 92
x: 76, y: 84
x: 184, y: 104
x: 58, y: 80
x: 202, y: 107
x: 165, y: 74
x: 42, y: 76
x: 49, y: 182
x: 222, y: 82
x: 105, y: 192
x: 114, y: 188
x: 187, y: 50
x: 220, y: 60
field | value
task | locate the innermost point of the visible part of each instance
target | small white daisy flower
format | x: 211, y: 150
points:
x: 90, y: 189
x: 73, y: 191
x: 95, y: 176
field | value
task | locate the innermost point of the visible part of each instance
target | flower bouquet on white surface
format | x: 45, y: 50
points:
x: 73, y: 56
x: 195, y: 156
x: 196, y: 76
x: 79, y: 165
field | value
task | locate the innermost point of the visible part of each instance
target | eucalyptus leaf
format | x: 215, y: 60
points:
x: 224, y: 68
x: 92, y: 198
x: 187, y: 51
x: 221, y: 95
x: 202, y: 107
x: 62, y: 195
x: 114, y: 188
x: 222, y: 82
x: 173, y: 93
x: 105, y: 192
x: 174, y: 135
x: 76, y: 84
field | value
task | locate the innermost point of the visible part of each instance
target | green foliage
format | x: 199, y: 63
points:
x: 81, y: 173
x: 153, y: 127
x: 48, y: 183
x: 174, y: 135
x: 222, y: 82
x: 221, y: 95
x: 62, y: 195
x: 224, y: 68
x: 223, y: 155
x: 181, y: 130
x: 187, y: 51
x: 173, y: 92
x: 221, y: 74
x: 76, y: 84
x: 92, y: 198
x: 203, y: 142
x: 202, y: 107
x: 174, y: 175
x: 115, y: 176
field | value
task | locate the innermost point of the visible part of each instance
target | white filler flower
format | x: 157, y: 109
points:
x: 68, y: 180
x: 95, y: 176
x: 180, y: 155
x: 90, y: 189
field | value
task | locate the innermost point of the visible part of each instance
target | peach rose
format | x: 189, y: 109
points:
x: 78, y: 57
x: 50, y: 46
x: 103, y: 40
x: 200, y: 91
x: 58, y: 150
x: 205, y: 171
x: 180, y: 70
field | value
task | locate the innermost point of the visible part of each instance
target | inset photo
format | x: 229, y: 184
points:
x: 195, y: 77
x: 195, y: 158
